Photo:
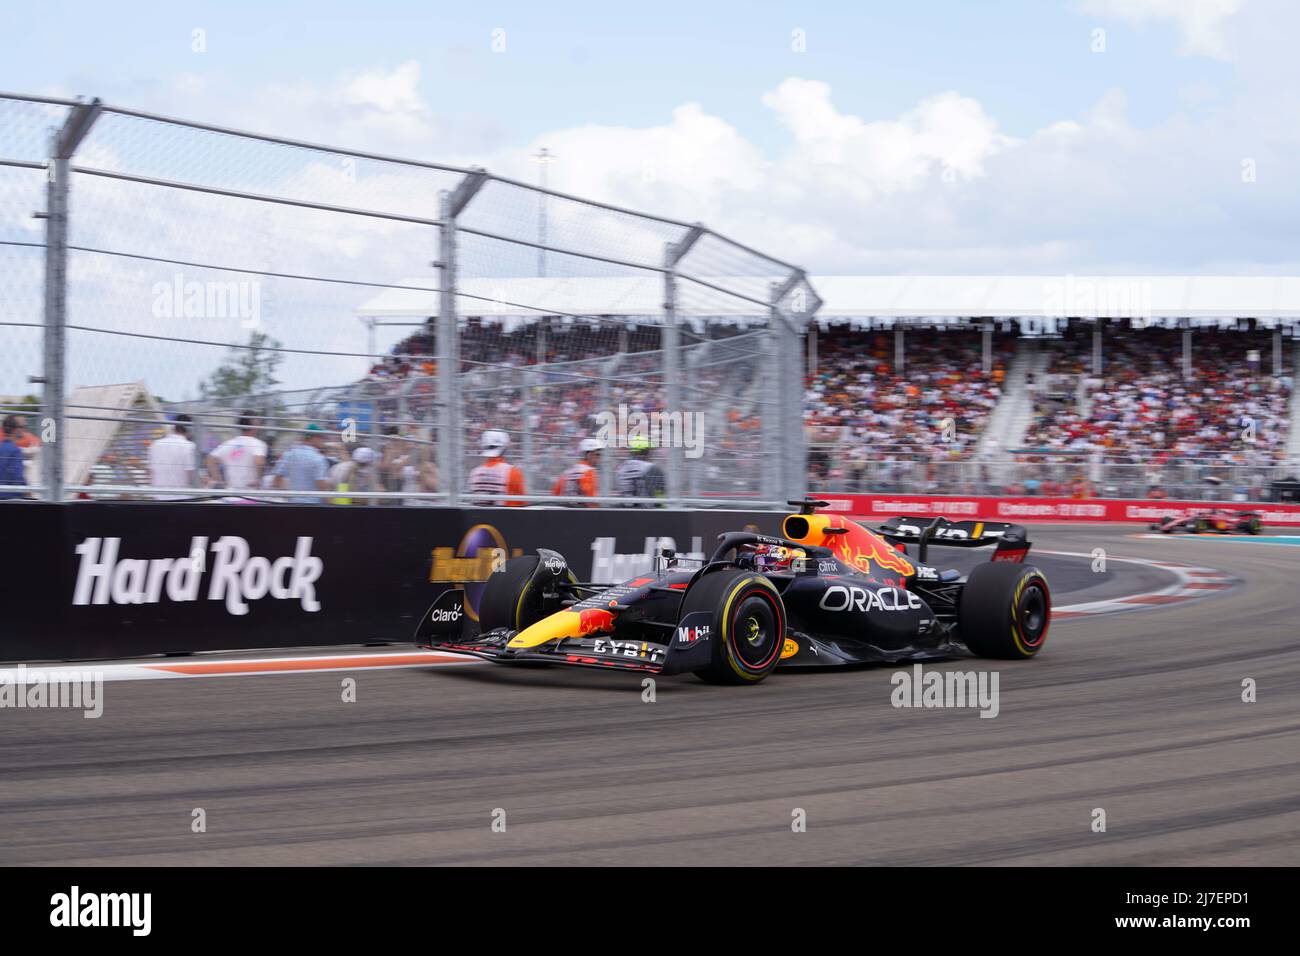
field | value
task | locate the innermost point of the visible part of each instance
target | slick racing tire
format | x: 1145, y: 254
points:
x: 512, y: 597
x: 1004, y: 611
x: 1254, y: 526
x: 748, y: 628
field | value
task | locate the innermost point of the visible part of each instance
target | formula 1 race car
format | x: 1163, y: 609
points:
x: 1212, y: 521
x: 828, y: 592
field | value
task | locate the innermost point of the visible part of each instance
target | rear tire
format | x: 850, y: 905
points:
x: 748, y: 630
x: 1004, y: 612
x: 512, y: 599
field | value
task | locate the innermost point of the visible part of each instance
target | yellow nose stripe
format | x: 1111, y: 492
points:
x: 564, y: 623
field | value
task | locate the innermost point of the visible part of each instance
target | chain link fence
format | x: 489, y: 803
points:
x: 24, y: 151
x: 387, y: 311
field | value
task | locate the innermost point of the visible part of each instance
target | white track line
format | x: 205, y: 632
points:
x: 1193, y: 583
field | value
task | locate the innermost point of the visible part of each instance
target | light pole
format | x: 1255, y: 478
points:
x: 543, y: 158
x: 369, y: 322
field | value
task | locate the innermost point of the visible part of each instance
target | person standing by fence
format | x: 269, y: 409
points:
x: 638, y: 476
x: 11, y: 458
x: 172, y: 460
x: 242, y: 458
x: 579, y: 481
x: 303, y: 467
x: 495, y: 478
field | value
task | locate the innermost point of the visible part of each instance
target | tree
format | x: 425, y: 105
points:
x: 246, y: 377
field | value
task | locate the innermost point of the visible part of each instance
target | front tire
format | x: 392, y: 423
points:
x: 513, y: 597
x: 1004, y: 612
x: 748, y: 629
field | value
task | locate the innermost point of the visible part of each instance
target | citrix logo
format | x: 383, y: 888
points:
x: 236, y: 577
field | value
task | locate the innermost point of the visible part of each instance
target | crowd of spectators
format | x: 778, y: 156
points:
x: 576, y: 379
x: 865, y: 416
x: 1231, y: 408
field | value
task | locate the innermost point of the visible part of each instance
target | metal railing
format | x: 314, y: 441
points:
x: 902, y: 470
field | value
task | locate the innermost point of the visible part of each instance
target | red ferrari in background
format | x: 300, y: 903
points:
x: 1212, y: 521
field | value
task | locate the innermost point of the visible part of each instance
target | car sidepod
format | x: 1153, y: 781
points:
x: 856, y: 619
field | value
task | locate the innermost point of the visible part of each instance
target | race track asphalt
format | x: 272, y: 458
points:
x: 1139, y: 714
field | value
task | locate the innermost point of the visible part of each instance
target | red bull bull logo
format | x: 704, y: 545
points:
x: 854, y: 545
x: 594, y: 619
x: 865, y: 550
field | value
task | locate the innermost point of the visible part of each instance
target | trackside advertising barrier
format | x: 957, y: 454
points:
x: 1049, y: 509
x: 88, y: 580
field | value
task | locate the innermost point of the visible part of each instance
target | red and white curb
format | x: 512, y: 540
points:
x: 1193, y: 583
x: 240, y: 667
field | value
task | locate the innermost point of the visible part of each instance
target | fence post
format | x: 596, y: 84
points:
x: 526, y: 375
x: 805, y: 302
x: 451, y: 456
x: 54, y: 388
x: 772, y: 423
x: 671, y: 345
x: 448, y: 353
x: 787, y: 325
x: 605, y: 474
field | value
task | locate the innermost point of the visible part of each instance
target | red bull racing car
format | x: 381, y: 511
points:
x: 1212, y: 521
x: 828, y: 591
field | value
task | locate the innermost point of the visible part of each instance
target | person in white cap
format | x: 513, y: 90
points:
x: 352, y: 473
x: 491, y: 481
x: 579, y: 481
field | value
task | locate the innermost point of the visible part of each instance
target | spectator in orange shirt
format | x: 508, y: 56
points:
x: 495, y: 478
x: 24, y: 437
x: 579, y: 481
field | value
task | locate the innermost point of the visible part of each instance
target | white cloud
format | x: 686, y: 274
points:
x: 1201, y: 22
x: 940, y: 188
x: 947, y: 130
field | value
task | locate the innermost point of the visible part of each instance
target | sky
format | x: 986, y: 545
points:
x: 926, y: 137
x: 1016, y: 137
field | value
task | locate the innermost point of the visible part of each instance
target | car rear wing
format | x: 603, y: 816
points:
x: 1012, y: 540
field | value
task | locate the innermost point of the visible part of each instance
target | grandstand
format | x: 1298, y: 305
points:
x: 1144, y: 400
x: 924, y: 396
x: 861, y: 407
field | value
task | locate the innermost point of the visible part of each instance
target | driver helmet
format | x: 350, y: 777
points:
x: 776, y: 557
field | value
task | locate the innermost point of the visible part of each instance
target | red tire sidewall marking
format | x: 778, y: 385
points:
x: 762, y: 591
x: 1041, y: 583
